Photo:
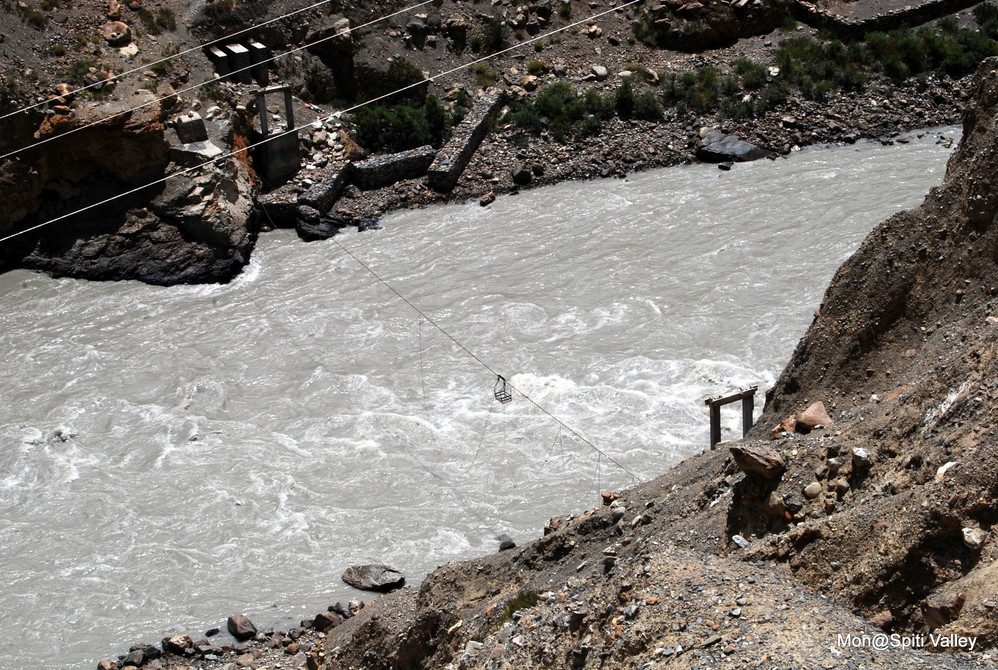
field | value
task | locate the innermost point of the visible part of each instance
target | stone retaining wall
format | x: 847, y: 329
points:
x: 321, y: 196
x: 454, y: 157
x: 386, y: 170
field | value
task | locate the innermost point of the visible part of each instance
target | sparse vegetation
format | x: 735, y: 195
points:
x: 75, y: 72
x: 522, y: 600
x: 492, y: 37
x: 560, y: 110
x: 166, y: 19
x: 484, y: 75
x: 32, y: 15
x: 631, y: 105
x: 382, y: 128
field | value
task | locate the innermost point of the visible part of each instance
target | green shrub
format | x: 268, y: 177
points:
x: 492, y: 37
x: 522, y: 600
x: 484, y: 75
x: 149, y: 22
x: 536, y: 67
x: 166, y: 19
x: 562, y: 111
x: 382, y: 128
x: 753, y: 75
x: 33, y: 16
x: 631, y: 105
x: 75, y: 72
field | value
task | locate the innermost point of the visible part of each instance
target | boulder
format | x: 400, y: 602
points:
x: 761, y: 460
x: 374, y: 578
x: 940, y: 609
x: 116, y: 33
x: 813, y: 417
x: 241, y: 627
x: 178, y: 644
x: 601, y: 72
x: 522, y: 175
x: 716, y: 147
x: 323, y: 621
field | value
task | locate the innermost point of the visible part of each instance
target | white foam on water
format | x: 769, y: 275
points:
x: 333, y: 426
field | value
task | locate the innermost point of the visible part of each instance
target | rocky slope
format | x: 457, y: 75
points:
x: 201, y: 227
x: 879, y: 520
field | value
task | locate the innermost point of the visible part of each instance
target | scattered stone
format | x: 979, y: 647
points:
x: 726, y: 165
x: 812, y: 490
x: 883, y: 621
x: 178, y: 644
x: 943, y: 469
x: 116, y: 33
x: 939, y: 610
x: 522, y: 175
x: 740, y: 541
x: 324, y: 621
x: 375, y: 577
x: 973, y: 538
x: 600, y: 72
x: 190, y: 128
x: 861, y: 458
x: 815, y: 416
x: 240, y: 627
x: 759, y: 459
x: 487, y: 199
x: 246, y: 660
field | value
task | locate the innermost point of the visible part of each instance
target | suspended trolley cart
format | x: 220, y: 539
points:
x: 502, y: 390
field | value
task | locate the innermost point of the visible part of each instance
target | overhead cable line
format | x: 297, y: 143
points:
x: 602, y: 454
x: 305, y: 125
x: 176, y: 55
x: 205, y: 83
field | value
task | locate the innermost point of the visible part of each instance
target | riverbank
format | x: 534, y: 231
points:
x: 574, y: 284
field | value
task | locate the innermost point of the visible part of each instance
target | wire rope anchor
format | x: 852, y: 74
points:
x: 502, y: 390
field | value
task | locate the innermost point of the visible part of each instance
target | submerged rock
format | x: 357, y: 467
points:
x: 716, y: 147
x: 375, y: 577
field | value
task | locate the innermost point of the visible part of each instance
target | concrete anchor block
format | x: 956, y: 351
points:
x: 239, y: 63
x: 260, y: 59
x: 220, y: 61
x: 190, y: 128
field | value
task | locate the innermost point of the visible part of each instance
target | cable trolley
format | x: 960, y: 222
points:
x: 502, y: 390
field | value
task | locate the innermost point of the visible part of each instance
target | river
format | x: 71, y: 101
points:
x: 171, y: 456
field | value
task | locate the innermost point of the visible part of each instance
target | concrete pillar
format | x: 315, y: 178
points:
x: 220, y: 61
x: 260, y: 58
x: 239, y: 63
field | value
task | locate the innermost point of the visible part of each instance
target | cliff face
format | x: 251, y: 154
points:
x: 195, y: 227
x: 881, y: 520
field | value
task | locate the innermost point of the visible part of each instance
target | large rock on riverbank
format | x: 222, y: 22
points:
x: 192, y: 227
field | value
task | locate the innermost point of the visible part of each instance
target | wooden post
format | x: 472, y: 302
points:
x: 715, y: 425
x: 747, y: 396
x: 748, y: 407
